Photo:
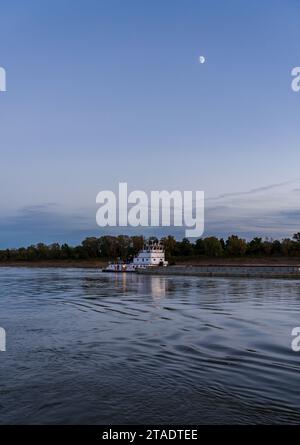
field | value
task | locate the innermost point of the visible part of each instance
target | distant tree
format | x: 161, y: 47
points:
x: 212, y: 247
x: 124, y: 243
x: 22, y: 254
x: 125, y: 247
x: 42, y: 251
x: 3, y: 255
x: 199, y: 247
x: 296, y: 237
x: 236, y: 246
x: 137, y: 243
x: 296, y: 247
x: 276, y: 247
x: 185, y: 247
x: 267, y: 246
x: 54, y: 251
x: 80, y: 253
x: 108, y: 247
x: 66, y: 252
x: 170, y: 245
x: 286, y: 246
x: 91, y: 246
x: 32, y: 253
x: 223, y: 244
x: 255, y: 247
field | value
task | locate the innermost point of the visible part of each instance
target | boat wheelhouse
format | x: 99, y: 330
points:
x: 152, y: 255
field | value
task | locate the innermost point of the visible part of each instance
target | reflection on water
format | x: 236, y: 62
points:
x: 156, y: 286
x: 87, y: 347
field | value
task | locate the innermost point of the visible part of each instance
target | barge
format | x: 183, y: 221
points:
x: 255, y: 271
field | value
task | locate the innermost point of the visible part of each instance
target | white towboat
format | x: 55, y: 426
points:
x: 152, y: 255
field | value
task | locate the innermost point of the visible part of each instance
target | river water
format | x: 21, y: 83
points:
x: 92, y: 348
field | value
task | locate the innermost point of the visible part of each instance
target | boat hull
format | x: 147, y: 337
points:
x: 118, y: 271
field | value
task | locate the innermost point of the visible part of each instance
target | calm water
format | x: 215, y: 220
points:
x: 90, y: 348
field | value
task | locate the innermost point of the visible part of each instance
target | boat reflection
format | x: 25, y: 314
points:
x: 135, y: 284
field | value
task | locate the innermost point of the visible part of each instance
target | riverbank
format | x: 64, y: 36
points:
x: 181, y: 261
x: 56, y: 263
x: 184, y: 262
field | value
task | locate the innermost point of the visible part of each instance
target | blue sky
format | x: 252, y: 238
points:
x: 100, y: 92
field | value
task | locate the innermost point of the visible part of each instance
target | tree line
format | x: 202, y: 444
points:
x: 125, y: 247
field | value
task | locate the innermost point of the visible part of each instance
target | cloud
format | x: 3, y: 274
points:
x: 252, y: 191
x: 49, y: 223
x: 43, y: 223
x: 271, y: 210
x: 276, y: 223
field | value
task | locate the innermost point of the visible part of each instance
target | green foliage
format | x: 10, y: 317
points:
x: 122, y: 246
x: 236, y: 246
x: 255, y: 247
x: 212, y: 247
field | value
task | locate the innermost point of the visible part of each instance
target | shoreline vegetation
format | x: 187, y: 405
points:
x: 100, y: 263
x: 97, y: 252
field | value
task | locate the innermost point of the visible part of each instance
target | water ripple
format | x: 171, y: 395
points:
x: 87, y: 347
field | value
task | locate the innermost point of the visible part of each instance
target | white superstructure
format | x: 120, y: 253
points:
x: 152, y: 255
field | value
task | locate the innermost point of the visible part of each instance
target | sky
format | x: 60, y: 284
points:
x: 107, y: 91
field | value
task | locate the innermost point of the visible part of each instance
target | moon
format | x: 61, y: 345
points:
x: 201, y: 59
